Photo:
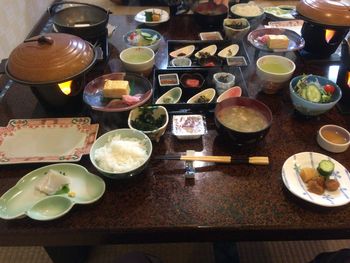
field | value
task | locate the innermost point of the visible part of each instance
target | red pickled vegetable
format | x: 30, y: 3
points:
x: 193, y: 83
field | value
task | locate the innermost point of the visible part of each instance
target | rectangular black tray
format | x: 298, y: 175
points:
x: 207, y: 73
x: 200, y: 44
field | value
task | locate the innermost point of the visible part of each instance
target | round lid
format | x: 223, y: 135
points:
x: 51, y: 58
x: 327, y: 12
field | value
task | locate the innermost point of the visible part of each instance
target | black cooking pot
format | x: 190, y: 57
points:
x: 326, y: 24
x: 80, y: 19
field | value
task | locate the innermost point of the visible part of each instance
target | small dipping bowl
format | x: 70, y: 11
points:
x: 223, y: 81
x: 333, y: 138
x: 181, y: 62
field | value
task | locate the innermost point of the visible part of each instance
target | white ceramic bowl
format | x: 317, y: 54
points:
x: 236, y: 33
x: 123, y: 133
x: 142, y: 37
x: 138, y: 59
x: 220, y: 85
x: 333, y: 138
x: 274, y: 71
x: 157, y: 111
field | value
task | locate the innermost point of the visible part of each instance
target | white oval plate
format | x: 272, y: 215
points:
x: 141, y: 17
x: 294, y: 183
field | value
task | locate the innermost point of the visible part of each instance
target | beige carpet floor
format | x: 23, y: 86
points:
x: 249, y: 252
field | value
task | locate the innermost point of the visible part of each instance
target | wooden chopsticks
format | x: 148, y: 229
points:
x: 256, y: 160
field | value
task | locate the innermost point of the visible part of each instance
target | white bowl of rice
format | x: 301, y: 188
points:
x: 121, y: 153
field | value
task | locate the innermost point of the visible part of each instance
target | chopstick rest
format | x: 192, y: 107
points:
x: 256, y: 160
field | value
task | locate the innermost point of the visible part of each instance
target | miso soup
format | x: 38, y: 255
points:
x: 243, y: 119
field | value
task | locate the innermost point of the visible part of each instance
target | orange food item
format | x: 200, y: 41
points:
x: 193, y: 83
x: 332, y: 185
x: 333, y: 136
x: 314, y: 187
x: 307, y: 173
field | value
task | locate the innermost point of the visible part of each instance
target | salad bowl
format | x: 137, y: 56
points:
x: 144, y: 37
x: 313, y: 95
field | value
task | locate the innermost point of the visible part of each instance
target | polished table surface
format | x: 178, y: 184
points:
x: 222, y: 203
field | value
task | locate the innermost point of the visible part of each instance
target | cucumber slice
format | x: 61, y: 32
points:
x: 325, y: 168
x: 313, y: 93
x: 303, y: 93
x: 146, y: 35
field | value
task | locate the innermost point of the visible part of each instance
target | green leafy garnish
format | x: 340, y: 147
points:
x: 64, y: 190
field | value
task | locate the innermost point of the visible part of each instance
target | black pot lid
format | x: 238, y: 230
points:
x: 50, y: 58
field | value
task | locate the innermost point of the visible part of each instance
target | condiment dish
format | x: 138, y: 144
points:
x: 172, y: 96
x: 235, y: 91
x: 181, y: 62
x: 210, y: 61
x: 188, y: 127
x: 186, y: 51
x: 192, y: 81
x: 205, y: 96
x: 151, y: 120
x: 107, y: 149
x: 333, y: 138
x: 223, y: 81
x: 171, y: 79
x: 207, y: 51
x: 236, y: 28
x: 229, y: 52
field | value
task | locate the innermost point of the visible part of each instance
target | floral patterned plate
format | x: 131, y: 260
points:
x: 293, y: 182
x: 46, y: 140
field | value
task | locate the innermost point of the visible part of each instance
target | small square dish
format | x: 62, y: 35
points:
x: 168, y: 79
x: 237, y: 61
x: 188, y: 127
x: 214, y: 35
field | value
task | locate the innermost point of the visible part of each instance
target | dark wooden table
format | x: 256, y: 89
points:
x: 222, y: 203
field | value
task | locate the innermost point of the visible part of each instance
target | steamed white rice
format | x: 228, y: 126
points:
x: 121, y: 155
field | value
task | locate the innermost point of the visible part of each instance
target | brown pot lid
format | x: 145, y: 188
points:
x: 51, y: 58
x: 327, y: 12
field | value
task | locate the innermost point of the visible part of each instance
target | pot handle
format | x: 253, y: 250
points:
x: 52, y: 9
x: 3, y: 65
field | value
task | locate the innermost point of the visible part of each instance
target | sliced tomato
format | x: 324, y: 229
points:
x: 329, y: 88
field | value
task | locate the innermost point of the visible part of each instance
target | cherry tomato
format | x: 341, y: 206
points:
x: 329, y: 88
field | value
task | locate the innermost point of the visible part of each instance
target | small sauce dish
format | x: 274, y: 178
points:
x: 168, y: 79
x: 205, y: 96
x: 192, y: 81
x: 172, y: 96
x: 333, y: 138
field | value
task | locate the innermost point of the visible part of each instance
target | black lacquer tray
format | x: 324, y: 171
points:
x: 200, y: 44
x: 207, y: 73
